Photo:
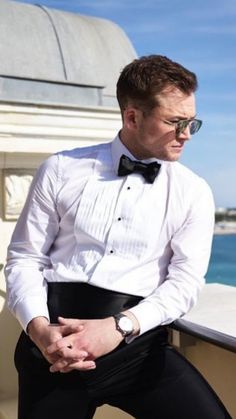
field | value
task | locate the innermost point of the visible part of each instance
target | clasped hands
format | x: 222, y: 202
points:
x: 73, y: 343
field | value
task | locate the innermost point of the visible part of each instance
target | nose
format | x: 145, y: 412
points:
x: 185, y: 134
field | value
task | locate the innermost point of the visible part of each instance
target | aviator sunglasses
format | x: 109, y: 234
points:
x: 193, y: 124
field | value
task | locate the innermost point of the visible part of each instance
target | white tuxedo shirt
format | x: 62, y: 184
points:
x: 81, y: 222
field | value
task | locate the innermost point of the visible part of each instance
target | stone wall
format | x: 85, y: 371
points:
x: 28, y: 134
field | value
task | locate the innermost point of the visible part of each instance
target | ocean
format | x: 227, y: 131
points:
x: 222, y: 267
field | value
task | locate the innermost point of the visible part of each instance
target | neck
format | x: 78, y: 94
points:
x: 129, y: 142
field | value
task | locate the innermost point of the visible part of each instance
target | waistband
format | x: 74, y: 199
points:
x: 85, y: 301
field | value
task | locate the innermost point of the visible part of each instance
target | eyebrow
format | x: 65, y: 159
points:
x: 181, y: 117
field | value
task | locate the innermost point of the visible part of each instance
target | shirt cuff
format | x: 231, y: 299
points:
x: 30, y: 308
x: 148, y: 316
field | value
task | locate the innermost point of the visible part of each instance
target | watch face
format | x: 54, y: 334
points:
x: 126, y: 325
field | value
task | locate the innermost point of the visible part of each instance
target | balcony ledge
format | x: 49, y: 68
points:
x: 213, y: 318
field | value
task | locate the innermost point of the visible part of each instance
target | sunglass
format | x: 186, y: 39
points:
x: 193, y: 124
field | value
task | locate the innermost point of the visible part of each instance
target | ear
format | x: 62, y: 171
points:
x: 130, y: 117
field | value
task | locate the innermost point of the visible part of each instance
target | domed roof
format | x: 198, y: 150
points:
x: 56, y: 47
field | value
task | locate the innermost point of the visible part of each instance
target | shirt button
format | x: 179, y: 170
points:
x: 128, y: 188
x: 119, y: 219
x: 111, y: 251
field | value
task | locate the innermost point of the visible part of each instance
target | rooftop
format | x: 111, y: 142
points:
x: 53, y: 56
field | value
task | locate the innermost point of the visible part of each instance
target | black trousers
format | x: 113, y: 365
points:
x: 146, y: 378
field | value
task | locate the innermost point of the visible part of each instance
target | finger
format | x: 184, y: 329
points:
x: 50, y: 359
x: 68, y: 321
x: 66, y: 369
x: 59, y: 365
x: 72, y: 354
x: 65, y: 349
x: 59, y: 345
x: 53, y: 348
x: 65, y: 321
x: 81, y: 365
x: 71, y: 328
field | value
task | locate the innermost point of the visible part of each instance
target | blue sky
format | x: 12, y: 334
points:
x: 201, y: 35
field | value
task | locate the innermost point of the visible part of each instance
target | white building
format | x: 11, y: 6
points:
x: 58, y: 74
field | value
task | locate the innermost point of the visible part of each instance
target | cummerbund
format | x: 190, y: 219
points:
x: 85, y: 301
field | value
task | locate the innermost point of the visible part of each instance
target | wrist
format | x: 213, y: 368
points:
x: 36, y: 325
x: 126, y: 324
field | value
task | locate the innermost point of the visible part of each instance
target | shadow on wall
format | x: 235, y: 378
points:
x: 9, y: 330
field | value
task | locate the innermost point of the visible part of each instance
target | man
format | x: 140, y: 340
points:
x: 111, y: 246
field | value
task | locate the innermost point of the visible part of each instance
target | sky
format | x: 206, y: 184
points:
x: 201, y: 35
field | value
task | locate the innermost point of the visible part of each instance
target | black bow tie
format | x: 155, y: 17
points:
x: 148, y: 170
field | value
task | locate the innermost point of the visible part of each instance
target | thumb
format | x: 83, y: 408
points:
x: 70, y: 325
x: 67, y: 321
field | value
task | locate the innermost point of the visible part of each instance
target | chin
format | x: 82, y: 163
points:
x: 172, y: 158
x: 175, y: 156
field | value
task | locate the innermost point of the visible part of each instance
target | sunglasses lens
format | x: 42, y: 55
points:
x: 181, y: 126
x: 194, y: 126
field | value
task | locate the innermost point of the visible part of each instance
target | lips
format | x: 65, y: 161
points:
x: 178, y: 147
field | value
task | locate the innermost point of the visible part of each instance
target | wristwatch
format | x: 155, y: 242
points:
x: 123, y: 324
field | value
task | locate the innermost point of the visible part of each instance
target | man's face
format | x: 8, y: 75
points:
x: 151, y: 135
